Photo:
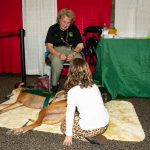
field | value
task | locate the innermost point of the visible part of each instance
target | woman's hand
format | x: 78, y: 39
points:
x: 62, y: 56
x: 67, y: 141
x: 70, y: 56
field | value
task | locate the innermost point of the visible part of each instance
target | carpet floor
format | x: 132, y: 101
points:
x: 37, y: 140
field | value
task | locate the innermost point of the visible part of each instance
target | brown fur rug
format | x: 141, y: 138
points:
x: 124, y: 123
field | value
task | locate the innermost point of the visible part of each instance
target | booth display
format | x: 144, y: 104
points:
x: 123, y: 67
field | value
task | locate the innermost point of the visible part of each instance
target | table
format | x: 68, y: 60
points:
x: 123, y: 67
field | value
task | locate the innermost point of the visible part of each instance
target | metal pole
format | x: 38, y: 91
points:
x: 23, y: 67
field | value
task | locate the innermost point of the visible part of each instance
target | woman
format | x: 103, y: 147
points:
x: 64, y: 43
x: 84, y: 96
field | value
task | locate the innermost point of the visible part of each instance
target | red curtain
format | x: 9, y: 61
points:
x: 89, y: 12
x: 11, y: 22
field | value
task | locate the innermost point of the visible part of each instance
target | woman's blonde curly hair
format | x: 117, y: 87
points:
x: 66, y: 12
x: 79, y: 73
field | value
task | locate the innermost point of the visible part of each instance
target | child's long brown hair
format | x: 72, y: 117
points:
x: 78, y: 74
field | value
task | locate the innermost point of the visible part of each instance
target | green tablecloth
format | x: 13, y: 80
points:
x: 123, y: 67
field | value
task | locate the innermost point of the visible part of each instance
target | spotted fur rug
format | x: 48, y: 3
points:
x: 124, y: 123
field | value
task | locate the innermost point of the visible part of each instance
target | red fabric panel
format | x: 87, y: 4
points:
x: 11, y: 22
x: 89, y: 13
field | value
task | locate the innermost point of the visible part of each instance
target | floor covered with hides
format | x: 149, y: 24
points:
x: 129, y: 124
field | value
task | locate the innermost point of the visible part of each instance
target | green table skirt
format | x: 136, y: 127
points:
x: 123, y: 67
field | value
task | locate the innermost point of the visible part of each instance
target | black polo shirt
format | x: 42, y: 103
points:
x: 57, y: 37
